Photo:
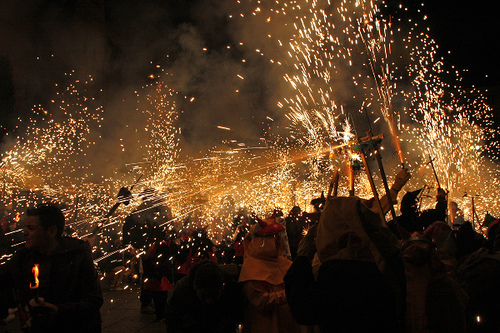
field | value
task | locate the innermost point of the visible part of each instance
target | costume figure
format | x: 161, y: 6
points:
x: 261, y: 276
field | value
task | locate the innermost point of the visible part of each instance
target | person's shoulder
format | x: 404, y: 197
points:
x: 71, y: 244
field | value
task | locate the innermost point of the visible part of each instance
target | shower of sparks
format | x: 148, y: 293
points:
x: 373, y: 58
x: 346, y: 64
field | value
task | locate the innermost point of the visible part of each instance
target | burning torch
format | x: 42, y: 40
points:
x: 34, y: 286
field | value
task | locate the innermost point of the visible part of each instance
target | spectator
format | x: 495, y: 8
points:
x: 295, y: 225
x: 435, y: 301
x: 68, y: 297
x: 205, y: 301
x: 479, y: 274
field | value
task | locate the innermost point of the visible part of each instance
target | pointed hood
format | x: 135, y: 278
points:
x: 262, y: 259
x: 409, y: 202
x: 348, y: 230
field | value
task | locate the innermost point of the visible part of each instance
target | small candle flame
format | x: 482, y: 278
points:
x: 35, y: 274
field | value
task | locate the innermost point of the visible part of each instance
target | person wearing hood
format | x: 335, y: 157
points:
x: 261, y: 277
x: 63, y: 293
x: 207, y: 300
x: 360, y: 285
x: 479, y: 274
x: 435, y: 300
x: 411, y: 219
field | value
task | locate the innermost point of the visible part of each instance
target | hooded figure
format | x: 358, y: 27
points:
x: 435, y: 301
x: 479, y: 274
x: 261, y: 277
x: 443, y: 237
x: 360, y: 285
x: 207, y: 300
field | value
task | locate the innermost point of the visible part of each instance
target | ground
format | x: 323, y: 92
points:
x: 120, y: 313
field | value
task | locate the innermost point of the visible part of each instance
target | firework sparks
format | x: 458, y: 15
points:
x: 339, y: 65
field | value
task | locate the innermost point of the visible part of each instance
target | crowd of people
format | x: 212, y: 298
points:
x: 341, y: 268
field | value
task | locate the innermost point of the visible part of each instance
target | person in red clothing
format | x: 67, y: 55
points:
x: 159, y: 270
x: 194, y: 248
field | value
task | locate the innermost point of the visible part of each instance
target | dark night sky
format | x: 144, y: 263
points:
x: 470, y: 30
x: 118, y: 38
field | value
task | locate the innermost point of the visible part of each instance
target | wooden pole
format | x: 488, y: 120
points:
x: 434, y: 170
x: 351, y: 179
x: 386, y: 186
x: 372, y: 185
x: 334, y: 184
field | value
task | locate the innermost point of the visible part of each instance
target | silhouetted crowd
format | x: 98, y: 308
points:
x: 340, y: 268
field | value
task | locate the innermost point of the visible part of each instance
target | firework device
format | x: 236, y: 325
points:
x: 363, y: 144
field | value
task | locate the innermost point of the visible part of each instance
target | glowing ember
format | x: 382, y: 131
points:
x: 35, y: 272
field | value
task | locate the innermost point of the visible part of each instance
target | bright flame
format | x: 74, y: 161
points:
x: 35, y: 273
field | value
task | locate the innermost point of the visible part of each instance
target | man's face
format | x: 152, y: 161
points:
x: 36, y: 236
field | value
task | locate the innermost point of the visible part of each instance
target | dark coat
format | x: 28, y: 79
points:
x: 348, y: 296
x: 68, y: 279
x: 186, y: 313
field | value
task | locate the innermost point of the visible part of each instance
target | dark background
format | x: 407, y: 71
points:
x: 468, y: 33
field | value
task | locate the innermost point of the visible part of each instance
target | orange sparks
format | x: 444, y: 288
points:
x: 35, y: 274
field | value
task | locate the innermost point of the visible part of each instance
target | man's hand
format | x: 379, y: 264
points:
x: 44, y: 309
x: 10, y: 317
x: 401, y: 178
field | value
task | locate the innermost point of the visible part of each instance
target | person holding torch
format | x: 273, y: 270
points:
x: 66, y: 295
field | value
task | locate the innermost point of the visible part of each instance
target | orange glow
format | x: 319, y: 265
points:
x: 396, y: 141
x: 35, y: 273
x: 350, y: 171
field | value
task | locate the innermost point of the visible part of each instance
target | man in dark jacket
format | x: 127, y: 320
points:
x: 64, y: 295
